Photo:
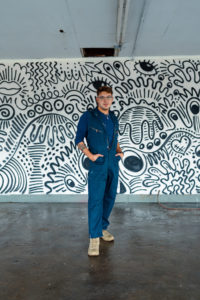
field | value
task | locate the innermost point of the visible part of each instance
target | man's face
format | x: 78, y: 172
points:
x: 104, y: 101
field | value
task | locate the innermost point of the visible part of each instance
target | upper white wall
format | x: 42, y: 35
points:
x: 30, y: 29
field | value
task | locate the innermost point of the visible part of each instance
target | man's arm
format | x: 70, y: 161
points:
x: 81, y: 134
x: 119, y: 151
x: 87, y: 152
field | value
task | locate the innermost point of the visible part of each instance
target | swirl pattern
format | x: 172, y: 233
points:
x: 157, y: 102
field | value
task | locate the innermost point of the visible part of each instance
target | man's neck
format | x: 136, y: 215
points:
x: 105, y: 112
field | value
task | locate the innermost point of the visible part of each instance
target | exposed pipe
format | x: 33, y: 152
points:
x: 122, y: 17
x: 141, y: 19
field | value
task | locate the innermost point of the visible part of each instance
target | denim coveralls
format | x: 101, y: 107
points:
x: 103, y: 173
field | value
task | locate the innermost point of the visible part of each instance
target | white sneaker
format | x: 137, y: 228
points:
x: 93, y: 249
x: 107, y: 236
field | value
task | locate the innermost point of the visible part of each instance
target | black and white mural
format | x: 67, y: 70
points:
x: 157, y: 102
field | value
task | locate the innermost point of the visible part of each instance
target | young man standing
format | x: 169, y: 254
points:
x: 100, y: 128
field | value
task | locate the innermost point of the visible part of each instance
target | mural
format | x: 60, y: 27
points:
x: 157, y: 102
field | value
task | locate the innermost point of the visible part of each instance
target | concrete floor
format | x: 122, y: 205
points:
x: 43, y: 253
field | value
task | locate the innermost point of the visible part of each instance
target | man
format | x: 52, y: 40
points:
x: 100, y: 128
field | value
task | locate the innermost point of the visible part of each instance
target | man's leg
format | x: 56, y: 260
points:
x: 96, y: 188
x: 110, y: 194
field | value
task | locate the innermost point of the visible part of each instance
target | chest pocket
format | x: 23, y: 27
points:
x: 95, y: 138
x: 93, y: 129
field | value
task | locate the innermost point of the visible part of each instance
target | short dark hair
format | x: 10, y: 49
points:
x: 107, y: 89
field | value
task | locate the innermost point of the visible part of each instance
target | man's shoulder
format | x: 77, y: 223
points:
x: 113, y: 114
x: 89, y: 111
x: 85, y: 116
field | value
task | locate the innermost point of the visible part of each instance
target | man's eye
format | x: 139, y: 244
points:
x: 102, y: 98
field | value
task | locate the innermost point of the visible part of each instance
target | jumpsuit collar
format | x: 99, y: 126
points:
x: 98, y: 114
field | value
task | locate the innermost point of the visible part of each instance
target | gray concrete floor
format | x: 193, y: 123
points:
x: 43, y: 253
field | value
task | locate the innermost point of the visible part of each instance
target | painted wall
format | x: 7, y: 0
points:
x: 157, y: 102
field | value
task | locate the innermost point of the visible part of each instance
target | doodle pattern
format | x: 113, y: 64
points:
x: 157, y: 102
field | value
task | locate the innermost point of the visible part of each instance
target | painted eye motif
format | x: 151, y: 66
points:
x: 146, y: 68
x: 69, y: 108
x: 157, y: 142
x: 73, y: 184
x: 86, y: 163
x: 169, y: 84
x: 173, y: 115
x: 97, y: 83
x: 107, y: 67
x: 149, y: 146
x: 39, y: 109
x: 58, y: 105
x: 197, y: 151
x: 117, y: 65
x: 161, y: 77
x: 195, y: 107
x: 70, y: 183
x: 163, y: 135
x: 115, y: 72
x: 47, y: 106
x: 133, y: 163
x: 176, y: 92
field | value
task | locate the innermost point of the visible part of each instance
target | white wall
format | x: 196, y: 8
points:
x: 157, y: 101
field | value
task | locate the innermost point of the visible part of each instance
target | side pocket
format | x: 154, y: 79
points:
x: 100, y: 160
x: 118, y: 158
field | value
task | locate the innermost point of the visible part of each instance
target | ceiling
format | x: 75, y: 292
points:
x: 61, y: 28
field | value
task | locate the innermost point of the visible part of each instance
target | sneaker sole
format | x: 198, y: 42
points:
x: 93, y: 254
x: 106, y: 240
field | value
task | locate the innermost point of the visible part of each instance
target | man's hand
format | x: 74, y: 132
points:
x: 121, y: 154
x: 86, y: 151
x: 95, y: 156
x: 119, y: 151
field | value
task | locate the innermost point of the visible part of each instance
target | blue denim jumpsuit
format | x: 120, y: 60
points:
x: 103, y: 173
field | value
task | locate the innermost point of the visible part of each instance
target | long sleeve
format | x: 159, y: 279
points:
x: 82, y: 128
